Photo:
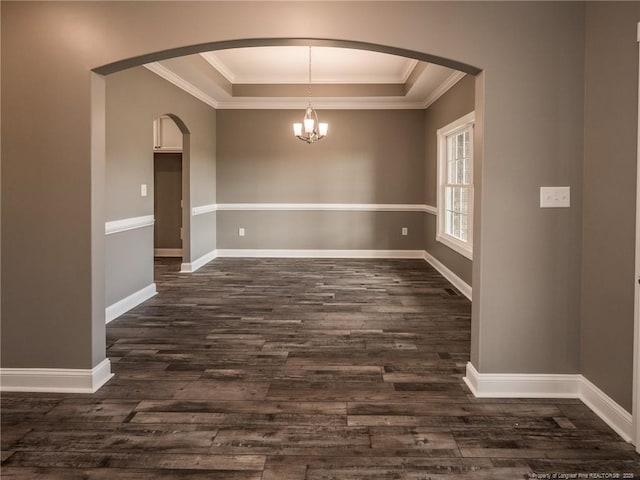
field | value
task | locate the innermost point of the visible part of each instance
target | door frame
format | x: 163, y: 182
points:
x: 636, y: 340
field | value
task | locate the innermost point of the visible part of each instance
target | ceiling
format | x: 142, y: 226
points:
x: 278, y: 78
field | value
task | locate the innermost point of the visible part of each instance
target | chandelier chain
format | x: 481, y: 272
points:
x: 309, y: 74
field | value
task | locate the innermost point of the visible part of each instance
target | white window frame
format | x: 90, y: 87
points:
x: 460, y: 246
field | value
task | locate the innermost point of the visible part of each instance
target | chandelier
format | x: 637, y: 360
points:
x: 310, y: 130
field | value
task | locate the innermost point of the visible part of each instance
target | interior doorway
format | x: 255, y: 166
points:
x: 167, y: 187
x: 636, y: 345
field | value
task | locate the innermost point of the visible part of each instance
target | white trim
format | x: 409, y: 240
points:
x: 501, y: 385
x: 463, y: 248
x: 411, y: 66
x: 431, y: 209
x: 55, y: 380
x: 117, y: 226
x: 454, y: 279
x: 199, y: 263
x: 309, y: 253
x: 122, y: 306
x: 613, y: 414
x: 636, y: 281
x: 167, y: 252
x: 505, y: 385
x: 213, y: 60
x: 202, y: 209
x: 444, y: 87
x: 180, y: 82
x: 365, y: 103
x: 351, y: 207
x: 382, y: 103
x: 456, y: 246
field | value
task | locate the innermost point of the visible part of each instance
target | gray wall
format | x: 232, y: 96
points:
x: 135, y: 97
x: 611, y: 103
x: 454, y: 104
x: 369, y: 156
x: 321, y: 230
x: 527, y: 310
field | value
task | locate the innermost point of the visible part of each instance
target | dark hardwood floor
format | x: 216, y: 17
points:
x: 291, y: 369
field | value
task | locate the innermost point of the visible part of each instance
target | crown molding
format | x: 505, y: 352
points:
x: 444, y: 87
x: 180, y: 82
x: 216, y: 63
x: 411, y: 65
x: 366, y: 103
x: 324, y: 104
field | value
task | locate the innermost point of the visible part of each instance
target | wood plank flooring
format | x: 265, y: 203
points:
x: 299, y: 369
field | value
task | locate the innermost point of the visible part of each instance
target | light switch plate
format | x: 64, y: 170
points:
x: 555, y: 197
x: 405, y: 231
x: 241, y: 232
x: 143, y: 190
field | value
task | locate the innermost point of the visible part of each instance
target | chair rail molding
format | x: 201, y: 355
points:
x: 125, y: 224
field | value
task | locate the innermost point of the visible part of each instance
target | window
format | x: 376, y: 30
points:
x: 455, y: 185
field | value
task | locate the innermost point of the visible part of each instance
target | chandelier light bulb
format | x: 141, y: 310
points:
x: 308, y: 125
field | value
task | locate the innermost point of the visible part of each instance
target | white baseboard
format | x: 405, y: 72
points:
x: 167, y: 252
x: 324, y: 207
x: 308, y: 253
x: 200, y: 262
x: 505, y: 385
x: 56, y: 380
x: 500, y: 385
x: 114, y: 311
x: 454, y: 279
x: 613, y: 414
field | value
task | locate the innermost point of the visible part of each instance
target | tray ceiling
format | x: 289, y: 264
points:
x: 277, y: 77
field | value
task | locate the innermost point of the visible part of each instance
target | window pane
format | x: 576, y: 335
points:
x: 456, y: 198
x: 456, y: 225
x: 452, y: 147
x: 464, y: 228
x: 464, y: 200
x: 466, y: 144
x: 465, y: 166
x: 448, y: 224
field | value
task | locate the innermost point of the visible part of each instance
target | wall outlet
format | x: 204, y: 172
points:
x: 143, y: 190
x: 555, y: 197
x: 241, y: 232
x: 405, y: 231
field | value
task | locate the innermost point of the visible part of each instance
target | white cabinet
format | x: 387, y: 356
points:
x: 167, y: 137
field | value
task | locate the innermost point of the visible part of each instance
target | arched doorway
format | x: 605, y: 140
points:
x: 117, y: 66
x: 171, y: 167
